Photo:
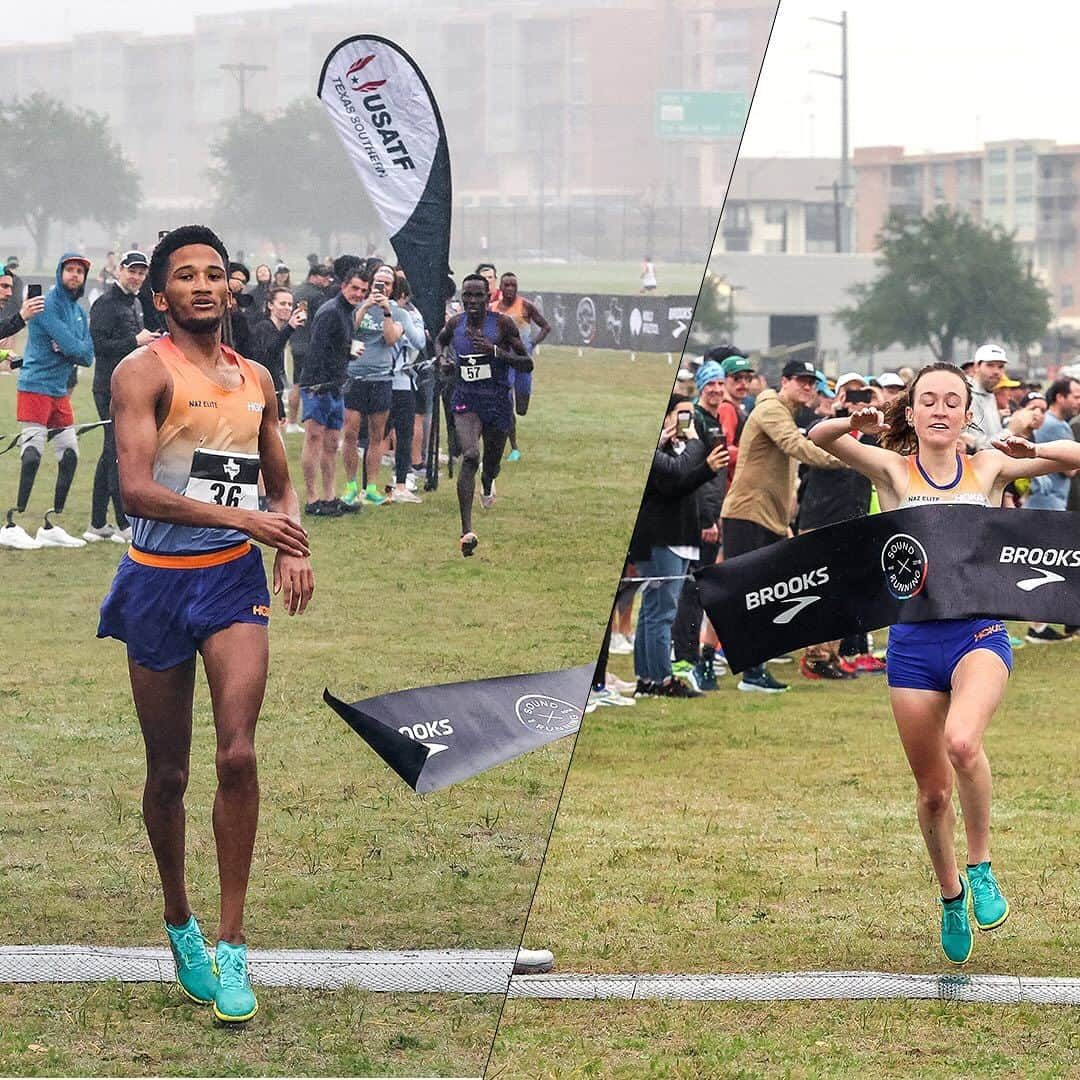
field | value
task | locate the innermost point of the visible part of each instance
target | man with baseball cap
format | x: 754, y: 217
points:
x: 986, y: 423
x: 58, y: 342
x: 892, y: 386
x: 116, y: 327
x: 758, y: 505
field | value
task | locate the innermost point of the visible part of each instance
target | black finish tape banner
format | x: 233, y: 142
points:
x: 604, y: 321
x: 386, y: 115
x: 435, y: 736
x: 928, y: 562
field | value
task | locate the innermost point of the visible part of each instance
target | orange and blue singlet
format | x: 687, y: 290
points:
x: 178, y: 584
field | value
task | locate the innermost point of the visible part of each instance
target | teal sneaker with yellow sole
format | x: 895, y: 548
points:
x: 194, y: 966
x: 235, y: 1000
x: 956, y: 937
x: 990, y: 906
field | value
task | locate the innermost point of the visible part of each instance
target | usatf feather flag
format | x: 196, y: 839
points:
x: 384, y: 111
x: 434, y: 736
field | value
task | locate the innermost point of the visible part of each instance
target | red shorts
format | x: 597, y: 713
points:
x: 50, y: 412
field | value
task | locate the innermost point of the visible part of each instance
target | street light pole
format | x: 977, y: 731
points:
x: 241, y: 71
x: 842, y: 75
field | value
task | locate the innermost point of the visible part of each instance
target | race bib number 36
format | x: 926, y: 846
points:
x: 225, y: 479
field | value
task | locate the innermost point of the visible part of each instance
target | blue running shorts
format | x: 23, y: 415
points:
x: 326, y: 409
x: 165, y: 613
x: 923, y: 656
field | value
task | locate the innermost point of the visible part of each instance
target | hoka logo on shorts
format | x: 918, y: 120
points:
x: 1039, y: 559
x: 788, y: 592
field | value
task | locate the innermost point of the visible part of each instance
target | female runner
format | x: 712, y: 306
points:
x: 946, y: 678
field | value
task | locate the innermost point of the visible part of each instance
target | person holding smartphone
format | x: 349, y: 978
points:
x: 828, y: 496
x: 31, y: 307
x: 695, y: 659
x: 379, y: 324
x: 666, y: 539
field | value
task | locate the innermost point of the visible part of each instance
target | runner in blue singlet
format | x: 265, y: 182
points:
x: 483, y: 347
x: 946, y: 678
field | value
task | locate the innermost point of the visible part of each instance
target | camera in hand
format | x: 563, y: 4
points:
x: 859, y: 397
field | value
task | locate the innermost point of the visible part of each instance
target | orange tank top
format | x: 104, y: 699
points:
x: 964, y: 488
x: 208, y: 449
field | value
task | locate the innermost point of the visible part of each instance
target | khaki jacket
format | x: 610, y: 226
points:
x: 769, y: 452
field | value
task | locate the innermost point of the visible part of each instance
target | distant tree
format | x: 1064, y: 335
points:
x: 61, y: 164
x: 714, y: 315
x: 288, y: 173
x: 946, y: 279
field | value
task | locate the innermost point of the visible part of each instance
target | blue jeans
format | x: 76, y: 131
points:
x: 659, y: 603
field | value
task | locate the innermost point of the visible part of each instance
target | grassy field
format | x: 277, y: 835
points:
x: 347, y: 856
x: 621, y: 278
x: 745, y: 833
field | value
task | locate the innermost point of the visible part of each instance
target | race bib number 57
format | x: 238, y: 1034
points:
x: 474, y: 371
x: 226, y: 479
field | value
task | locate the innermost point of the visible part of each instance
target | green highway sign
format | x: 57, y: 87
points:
x: 699, y: 114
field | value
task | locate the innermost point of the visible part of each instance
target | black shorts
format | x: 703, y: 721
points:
x: 367, y: 397
x: 298, y: 368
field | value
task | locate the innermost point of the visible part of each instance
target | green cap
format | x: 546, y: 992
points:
x: 734, y: 364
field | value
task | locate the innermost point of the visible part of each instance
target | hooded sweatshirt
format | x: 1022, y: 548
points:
x: 44, y: 370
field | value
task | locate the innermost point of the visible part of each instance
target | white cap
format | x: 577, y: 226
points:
x: 890, y: 378
x: 990, y: 354
x: 683, y: 374
x: 847, y: 377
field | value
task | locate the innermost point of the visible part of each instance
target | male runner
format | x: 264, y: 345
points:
x: 525, y: 316
x: 195, y: 423
x: 484, y: 346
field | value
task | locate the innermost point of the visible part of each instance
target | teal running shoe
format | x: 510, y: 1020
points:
x: 372, y: 496
x: 352, y: 493
x: 194, y: 967
x: 235, y: 1000
x: 956, y: 936
x: 991, y: 908
x: 514, y: 455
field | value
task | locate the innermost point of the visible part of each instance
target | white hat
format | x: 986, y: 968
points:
x: 890, y: 378
x: 990, y: 354
x: 683, y: 375
x: 848, y: 376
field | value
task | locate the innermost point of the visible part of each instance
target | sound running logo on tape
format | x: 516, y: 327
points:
x: 1039, y: 559
x: 547, y: 715
x: 903, y: 562
x: 788, y: 592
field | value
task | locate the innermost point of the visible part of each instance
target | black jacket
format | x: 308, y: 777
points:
x: 115, y: 318
x: 268, y: 348
x: 669, y: 514
x: 11, y: 326
x: 328, y: 348
x: 315, y: 298
x: 828, y: 496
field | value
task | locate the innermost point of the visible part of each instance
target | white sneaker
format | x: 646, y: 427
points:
x: 50, y: 535
x: 121, y: 536
x: 488, y: 501
x: 406, y: 496
x: 410, y: 482
x: 294, y: 429
x: 620, y: 645
x: 620, y: 686
x: 609, y: 697
x: 94, y: 535
x: 16, y: 537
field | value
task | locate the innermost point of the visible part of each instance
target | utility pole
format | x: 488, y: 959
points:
x: 241, y: 73
x: 845, y: 162
x: 838, y: 216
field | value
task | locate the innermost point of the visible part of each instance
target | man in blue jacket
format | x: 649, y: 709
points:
x: 58, y: 341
